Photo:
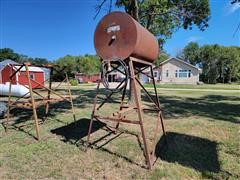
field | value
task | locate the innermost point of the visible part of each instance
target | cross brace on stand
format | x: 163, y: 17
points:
x: 135, y: 67
x: 33, y: 103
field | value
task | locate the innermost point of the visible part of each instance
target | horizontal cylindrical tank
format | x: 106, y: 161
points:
x: 16, y: 90
x: 118, y: 35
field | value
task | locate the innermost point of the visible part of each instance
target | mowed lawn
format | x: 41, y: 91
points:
x: 234, y: 86
x: 203, y: 135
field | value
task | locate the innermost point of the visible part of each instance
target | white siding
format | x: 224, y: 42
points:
x: 168, y: 71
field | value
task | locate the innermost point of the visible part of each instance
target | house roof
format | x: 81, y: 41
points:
x: 174, y: 58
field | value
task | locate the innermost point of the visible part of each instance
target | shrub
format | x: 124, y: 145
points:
x: 73, y: 82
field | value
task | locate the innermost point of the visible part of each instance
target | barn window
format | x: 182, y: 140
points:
x: 32, y: 76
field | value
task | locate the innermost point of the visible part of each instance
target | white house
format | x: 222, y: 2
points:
x: 174, y: 71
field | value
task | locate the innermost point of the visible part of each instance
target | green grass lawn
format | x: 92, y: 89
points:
x: 203, y: 133
x: 234, y: 86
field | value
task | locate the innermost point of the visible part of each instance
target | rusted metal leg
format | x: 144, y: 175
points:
x: 155, y: 88
x: 157, y: 99
x: 90, y: 130
x: 93, y: 114
x: 108, y: 97
x: 155, y: 135
x: 70, y: 96
x: 163, y: 129
x: 49, y: 94
x: 9, y: 105
x: 33, y: 102
x: 121, y: 104
x: 148, y: 94
x: 139, y: 109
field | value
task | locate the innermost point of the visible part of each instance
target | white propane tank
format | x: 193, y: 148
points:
x: 16, y: 90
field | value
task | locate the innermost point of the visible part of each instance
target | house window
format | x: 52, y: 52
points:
x: 189, y: 73
x: 32, y: 76
x: 167, y: 73
x: 155, y: 74
x: 183, y: 73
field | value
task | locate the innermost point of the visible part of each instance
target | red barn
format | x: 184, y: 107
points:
x: 36, y: 74
x: 83, y: 78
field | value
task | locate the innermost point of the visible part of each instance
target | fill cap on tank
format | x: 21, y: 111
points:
x: 118, y: 35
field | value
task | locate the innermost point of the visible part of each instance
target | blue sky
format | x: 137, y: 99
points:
x: 54, y: 28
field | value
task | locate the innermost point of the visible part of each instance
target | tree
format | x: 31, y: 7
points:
x: 231, y: 58
x: 209, y: 56
x: 89, y: 64
x: 131, y: 7
x: 69, y: 64
x: 7, y: 53
x: 162, y: 57
x: 190, y: 53
x: 40, y: 61
x: 220, y: 63
x: 164, y: 17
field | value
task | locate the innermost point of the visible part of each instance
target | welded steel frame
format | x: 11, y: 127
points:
x: 136, y: 66
x: 43, y: 100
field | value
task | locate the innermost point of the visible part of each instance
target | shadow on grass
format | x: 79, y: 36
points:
x: 190, y: 151
x: 217, y: 107
x: 20, y: 118
x: 87, y: 97
x: 23, y: 114
x: 75, y: 132
x: 210, y: 106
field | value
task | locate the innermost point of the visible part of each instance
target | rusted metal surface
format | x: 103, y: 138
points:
x: 32, y: 103
x: 118, y: 117
x: 140, y: 114
x: 119, y: 36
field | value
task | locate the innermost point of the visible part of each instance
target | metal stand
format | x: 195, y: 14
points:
x: 33, y: 103
x: 136, y: 66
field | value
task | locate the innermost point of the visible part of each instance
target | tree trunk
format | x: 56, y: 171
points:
x: 132, y: 9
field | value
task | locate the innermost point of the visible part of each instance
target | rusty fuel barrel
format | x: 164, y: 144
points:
x: 119, y: 36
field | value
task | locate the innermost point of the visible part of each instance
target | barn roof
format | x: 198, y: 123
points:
x: 6, y: 62
x: 31, y: 68
x: 9, y: 61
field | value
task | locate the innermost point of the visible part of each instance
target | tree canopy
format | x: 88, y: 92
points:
x: 162, y: 57
x: 191, y: 53
x: 7, y: 53
x: 164, y: 17
x: 88, y: 64
x: 219, y: 63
